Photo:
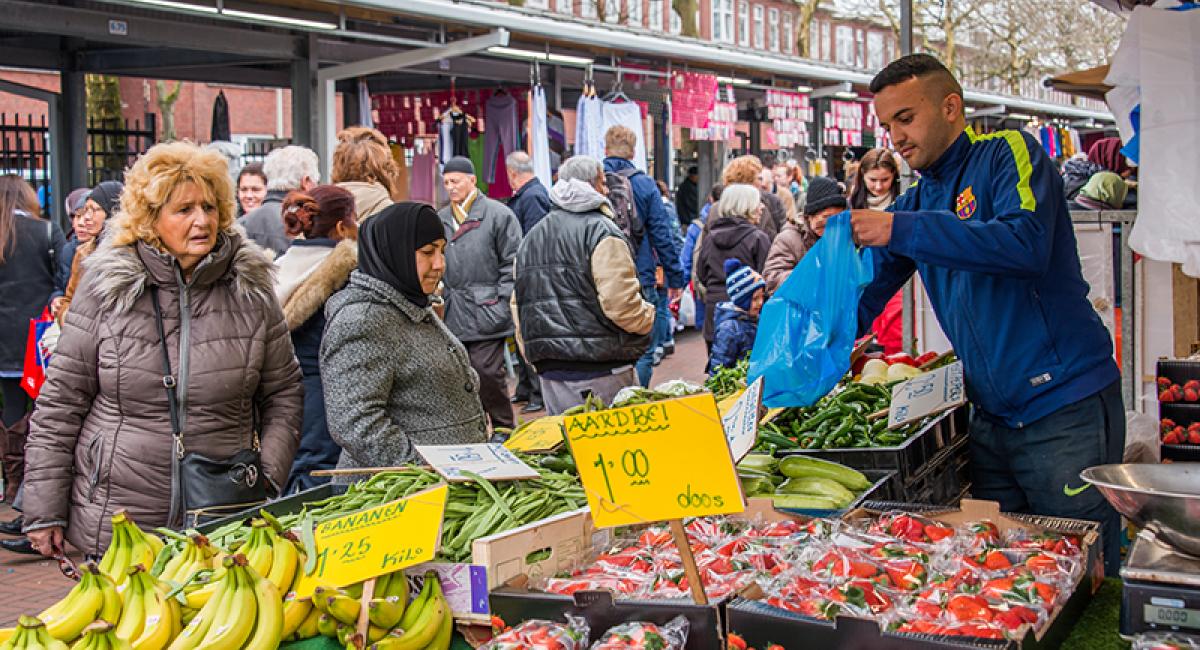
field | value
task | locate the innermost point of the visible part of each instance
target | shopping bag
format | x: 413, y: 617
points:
x: 807, y: 329
x: 37, y: 358
x: 687, y: 308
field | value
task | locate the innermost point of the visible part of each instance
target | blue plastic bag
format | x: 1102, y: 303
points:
x: 807, y: 329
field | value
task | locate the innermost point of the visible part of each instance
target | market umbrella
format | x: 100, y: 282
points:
x: 1085, y: 83
x: 220, y: 119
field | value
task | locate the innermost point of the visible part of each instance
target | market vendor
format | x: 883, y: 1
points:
x: 987, y: 227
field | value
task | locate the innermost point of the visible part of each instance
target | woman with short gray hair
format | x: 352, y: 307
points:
x: 733, y: 234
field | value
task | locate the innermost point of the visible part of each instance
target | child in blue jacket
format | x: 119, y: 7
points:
x: 736, y: 321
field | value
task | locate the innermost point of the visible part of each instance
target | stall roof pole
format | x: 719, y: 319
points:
x: 906, y: 27
x: 327, y: 77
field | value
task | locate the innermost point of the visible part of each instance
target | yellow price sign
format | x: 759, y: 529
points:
x: 543, y: 434
x: 375, y: 541
x: 654, y: 462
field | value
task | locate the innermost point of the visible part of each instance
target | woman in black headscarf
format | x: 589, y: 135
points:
x: 394, y: 375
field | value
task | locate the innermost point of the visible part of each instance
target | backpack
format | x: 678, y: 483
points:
x: 625, y: 213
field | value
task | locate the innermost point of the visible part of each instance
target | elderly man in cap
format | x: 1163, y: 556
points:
x: 482, y: 237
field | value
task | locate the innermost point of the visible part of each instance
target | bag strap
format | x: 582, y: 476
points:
x: 168, y: 380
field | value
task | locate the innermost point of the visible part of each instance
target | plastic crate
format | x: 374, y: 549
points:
x: 285, y: 506
x: 910, y: 459
x: 944, y: 479
x: 1183, y: 413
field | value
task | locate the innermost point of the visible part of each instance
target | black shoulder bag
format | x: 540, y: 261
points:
x: 206, y: 488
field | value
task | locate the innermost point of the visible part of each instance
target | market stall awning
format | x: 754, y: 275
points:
x: 1085, y: 83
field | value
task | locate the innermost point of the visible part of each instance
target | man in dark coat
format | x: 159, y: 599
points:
x: 483, y: 236
x: 687, y: 197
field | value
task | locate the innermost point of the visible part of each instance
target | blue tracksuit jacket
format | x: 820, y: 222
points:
x: 987, y: 227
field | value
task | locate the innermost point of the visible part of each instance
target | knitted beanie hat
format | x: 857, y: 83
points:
x: 741, y: 282
x: 823, y: 193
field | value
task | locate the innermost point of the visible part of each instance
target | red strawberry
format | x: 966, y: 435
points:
x: 1194, y: 437
x: 1164, y: 383
x: 1168, y: 424
x: 1193, y: 384
x: 1166, y: 396
x: 1191, y: 395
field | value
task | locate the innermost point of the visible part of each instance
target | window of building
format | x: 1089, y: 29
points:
x: 826, y: 50
x: 814, y: 40
x: 722, y: 21
x: 537, y: 4
x: 844, y: 37
x: 676, y: 22
x: 634, y: 11
x: 875, y: 51
x: 773, y: 30
x: 760, y: 27
x: 587, y: 8
x: 565, y: 6
x: 860, y: 48
x: 744, y: 23
x: 789, y: 33
x: 656, y: 15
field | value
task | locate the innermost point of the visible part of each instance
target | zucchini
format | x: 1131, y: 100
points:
x: 803, y: 502
x: 800, y: 466
x: 756, y: 486
x: 819, y: 487
x: 759, y: 462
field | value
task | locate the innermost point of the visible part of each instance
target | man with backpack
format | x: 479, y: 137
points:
x: 641, y: 214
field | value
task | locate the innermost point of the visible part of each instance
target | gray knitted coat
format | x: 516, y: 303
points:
x: 394, y: 377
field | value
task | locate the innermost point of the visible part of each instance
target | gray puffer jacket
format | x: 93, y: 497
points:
x: 100, y: 439
x: 479, y: 270
x: 394, y: 377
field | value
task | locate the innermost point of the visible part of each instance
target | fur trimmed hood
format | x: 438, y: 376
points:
x: 118, y: 275
x: 303, y: 290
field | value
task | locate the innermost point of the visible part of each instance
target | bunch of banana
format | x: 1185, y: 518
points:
x: 31, y: 633
x: 101, y: 635
x: 151, y: 618
x: 335, y: 612
x: 94, y: 598
x: 130, y: 545
x: 196, y: 555
x: 427, y: 624
x: 245, y: 611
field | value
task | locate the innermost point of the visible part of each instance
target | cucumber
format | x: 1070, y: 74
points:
x: 760, y: 462
x: 800, y: 466
x: 803, y: 502
x: 820, y: 487
x: 756, y: 486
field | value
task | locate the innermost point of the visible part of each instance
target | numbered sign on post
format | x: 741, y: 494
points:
x: 928, y: 394
x: 375, y: 541
x: 653, y: 462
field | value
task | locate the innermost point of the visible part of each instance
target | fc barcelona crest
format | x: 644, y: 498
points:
x: 965, y: 206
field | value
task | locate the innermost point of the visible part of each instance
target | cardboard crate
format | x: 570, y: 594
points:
x: 760, y: 624
x: 907, y: 459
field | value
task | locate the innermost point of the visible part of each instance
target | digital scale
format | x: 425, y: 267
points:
x: 1162, y: 590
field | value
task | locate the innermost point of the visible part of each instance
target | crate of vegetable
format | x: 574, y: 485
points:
x: 810, y: 486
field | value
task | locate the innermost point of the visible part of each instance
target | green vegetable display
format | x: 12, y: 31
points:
x: 801, y: 482
x: 474, y: 509
x: 839, y: 420
x: 726, y: 381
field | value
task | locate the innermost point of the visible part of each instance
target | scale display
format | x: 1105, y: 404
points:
x: 1171, y: 616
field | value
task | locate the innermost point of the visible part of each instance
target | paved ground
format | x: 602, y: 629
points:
x: 29, y: 584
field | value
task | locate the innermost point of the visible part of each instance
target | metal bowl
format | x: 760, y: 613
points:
x: 1164, y: 499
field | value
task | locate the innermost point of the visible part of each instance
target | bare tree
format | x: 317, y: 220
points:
x: 166, y: 105
x: 687, y: 16
x: 808, y: 9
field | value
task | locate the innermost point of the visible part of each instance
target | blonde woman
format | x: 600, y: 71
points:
x: 101, y: 439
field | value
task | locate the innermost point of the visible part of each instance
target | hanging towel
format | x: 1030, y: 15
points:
x: 539, y: 138
x: 627, y: 114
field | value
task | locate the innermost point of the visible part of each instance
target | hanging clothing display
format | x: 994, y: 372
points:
x: 589, y: 127
x: 445, y: 139
x: 475, y: 153
x: 627, y: 114
x: 503, y: 124
x: 539, y: 138
x: 423, y: 175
